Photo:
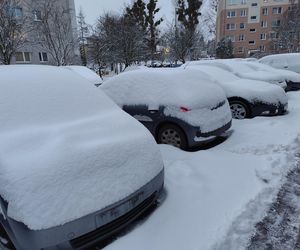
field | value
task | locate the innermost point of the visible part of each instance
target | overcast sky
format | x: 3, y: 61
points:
x: 92, y: 9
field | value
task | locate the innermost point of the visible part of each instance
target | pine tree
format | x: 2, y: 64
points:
x: 83, y: 30
x: 188, y: 12
x: 144, y: 15
x: 224, y: 49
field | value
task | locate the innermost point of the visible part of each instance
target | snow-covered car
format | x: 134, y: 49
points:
x: 242, y: 70
x: 87, y: 73
x: 291, y: 78
x: 178, y: 109
x: 74, y: 167
x: 247, y: 98
x: 289, y: 61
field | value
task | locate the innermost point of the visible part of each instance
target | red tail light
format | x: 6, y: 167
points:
x: 184, y: 109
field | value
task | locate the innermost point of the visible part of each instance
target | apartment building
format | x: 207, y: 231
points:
x: 32, y: 52
x: 249, y: 24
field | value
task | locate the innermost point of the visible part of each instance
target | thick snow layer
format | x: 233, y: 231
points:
x: 251, y: 90
x: 241, y: 69
x: 66, y: 150
x: 169, y: 87
x: 283, y: 61
x: 86, y: 73
x: 287, y: 74
x: 208, y: 120
x: 215, y: 197
x: 172, y: 88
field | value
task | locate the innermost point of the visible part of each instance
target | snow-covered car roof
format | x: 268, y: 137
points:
x: 241, y: 69
x: 287, y: 74
x: 66, y: 150
x: 163, y: 87
x: 251, y: 90
x: 291, y: 57
x: 86, y: 73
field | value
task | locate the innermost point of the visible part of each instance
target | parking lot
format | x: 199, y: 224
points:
x: 215, y: 197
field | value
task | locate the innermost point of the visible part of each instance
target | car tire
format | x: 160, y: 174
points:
x: 239, y: 110
x: 172, y: 135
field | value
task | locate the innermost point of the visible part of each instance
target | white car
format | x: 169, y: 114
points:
x: 289, y: 61
x: 177, y: 108
x: 242, y: 70
x: 87, y: 74
x: 247, y: 98
x: 74, y: 168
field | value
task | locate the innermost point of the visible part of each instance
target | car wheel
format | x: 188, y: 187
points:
x: 172, y: 135
x: 239, y: 110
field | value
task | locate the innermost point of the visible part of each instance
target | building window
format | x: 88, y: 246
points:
x: 276, y: 23
x: 37, y: 15
x: 264, y: 24
x: 263, y: 36
x: 277, y: 10
x: 253, y: 17
x: 252, y: 42
x: 254, y: 4
x: 241, y: 49
x: 230, y: 14
x: 262, y: 48
x: 243, y: 2
x: 265, y: 11
x: 23, y: 57
x: 243, y: 13
x: 16, y: 12
x: 241, y: 37
x: 242, y: 26
x: 231, y: 38
x: 274, y: 35
x: 43, y: 57
x: 252, y: 30
x: 230, y: 26
x: 232, y: 2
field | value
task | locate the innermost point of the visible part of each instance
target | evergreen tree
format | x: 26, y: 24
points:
x: 145, y: 16
x: 224, y: 49
x: 83, y: 32
x: 188, y: 12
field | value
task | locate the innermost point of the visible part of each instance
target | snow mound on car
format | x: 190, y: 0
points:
x: 170, y: 87
x: 251, y: 90
x: 66, y: 150
x: 86, y: 73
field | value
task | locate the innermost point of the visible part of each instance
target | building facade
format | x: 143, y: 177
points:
x: 250, y: 24
x: 32, y: 52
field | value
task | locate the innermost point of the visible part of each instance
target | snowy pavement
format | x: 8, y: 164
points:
x: 281, y: 226
x: 216, y: 197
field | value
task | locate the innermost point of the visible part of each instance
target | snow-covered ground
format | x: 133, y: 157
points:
x: 216, y: 196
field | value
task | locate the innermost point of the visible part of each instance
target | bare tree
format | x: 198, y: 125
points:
x: 55, y: 29
x: 12, y: 29
x: 286, y: 31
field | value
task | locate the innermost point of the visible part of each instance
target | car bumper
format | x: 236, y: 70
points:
x: 292, y: 86
x: 268, y: 109
x: 197, y: 138
x: 89, y: 230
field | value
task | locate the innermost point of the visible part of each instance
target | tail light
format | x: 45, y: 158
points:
x: 184, y: 109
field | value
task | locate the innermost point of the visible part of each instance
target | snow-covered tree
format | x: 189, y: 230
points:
x: 83, y: 30
x: 224, y: 49
x: 145, y: 15
x: 286, y: 36
x: 12, y: 29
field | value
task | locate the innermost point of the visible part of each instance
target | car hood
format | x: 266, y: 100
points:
x: 66, y: 150
x: 254, y: 91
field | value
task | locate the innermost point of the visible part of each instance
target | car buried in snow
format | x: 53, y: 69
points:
x: 74, y: 167
x: 247, y: 98
x: 240, y: 68
x: 176, y: 108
